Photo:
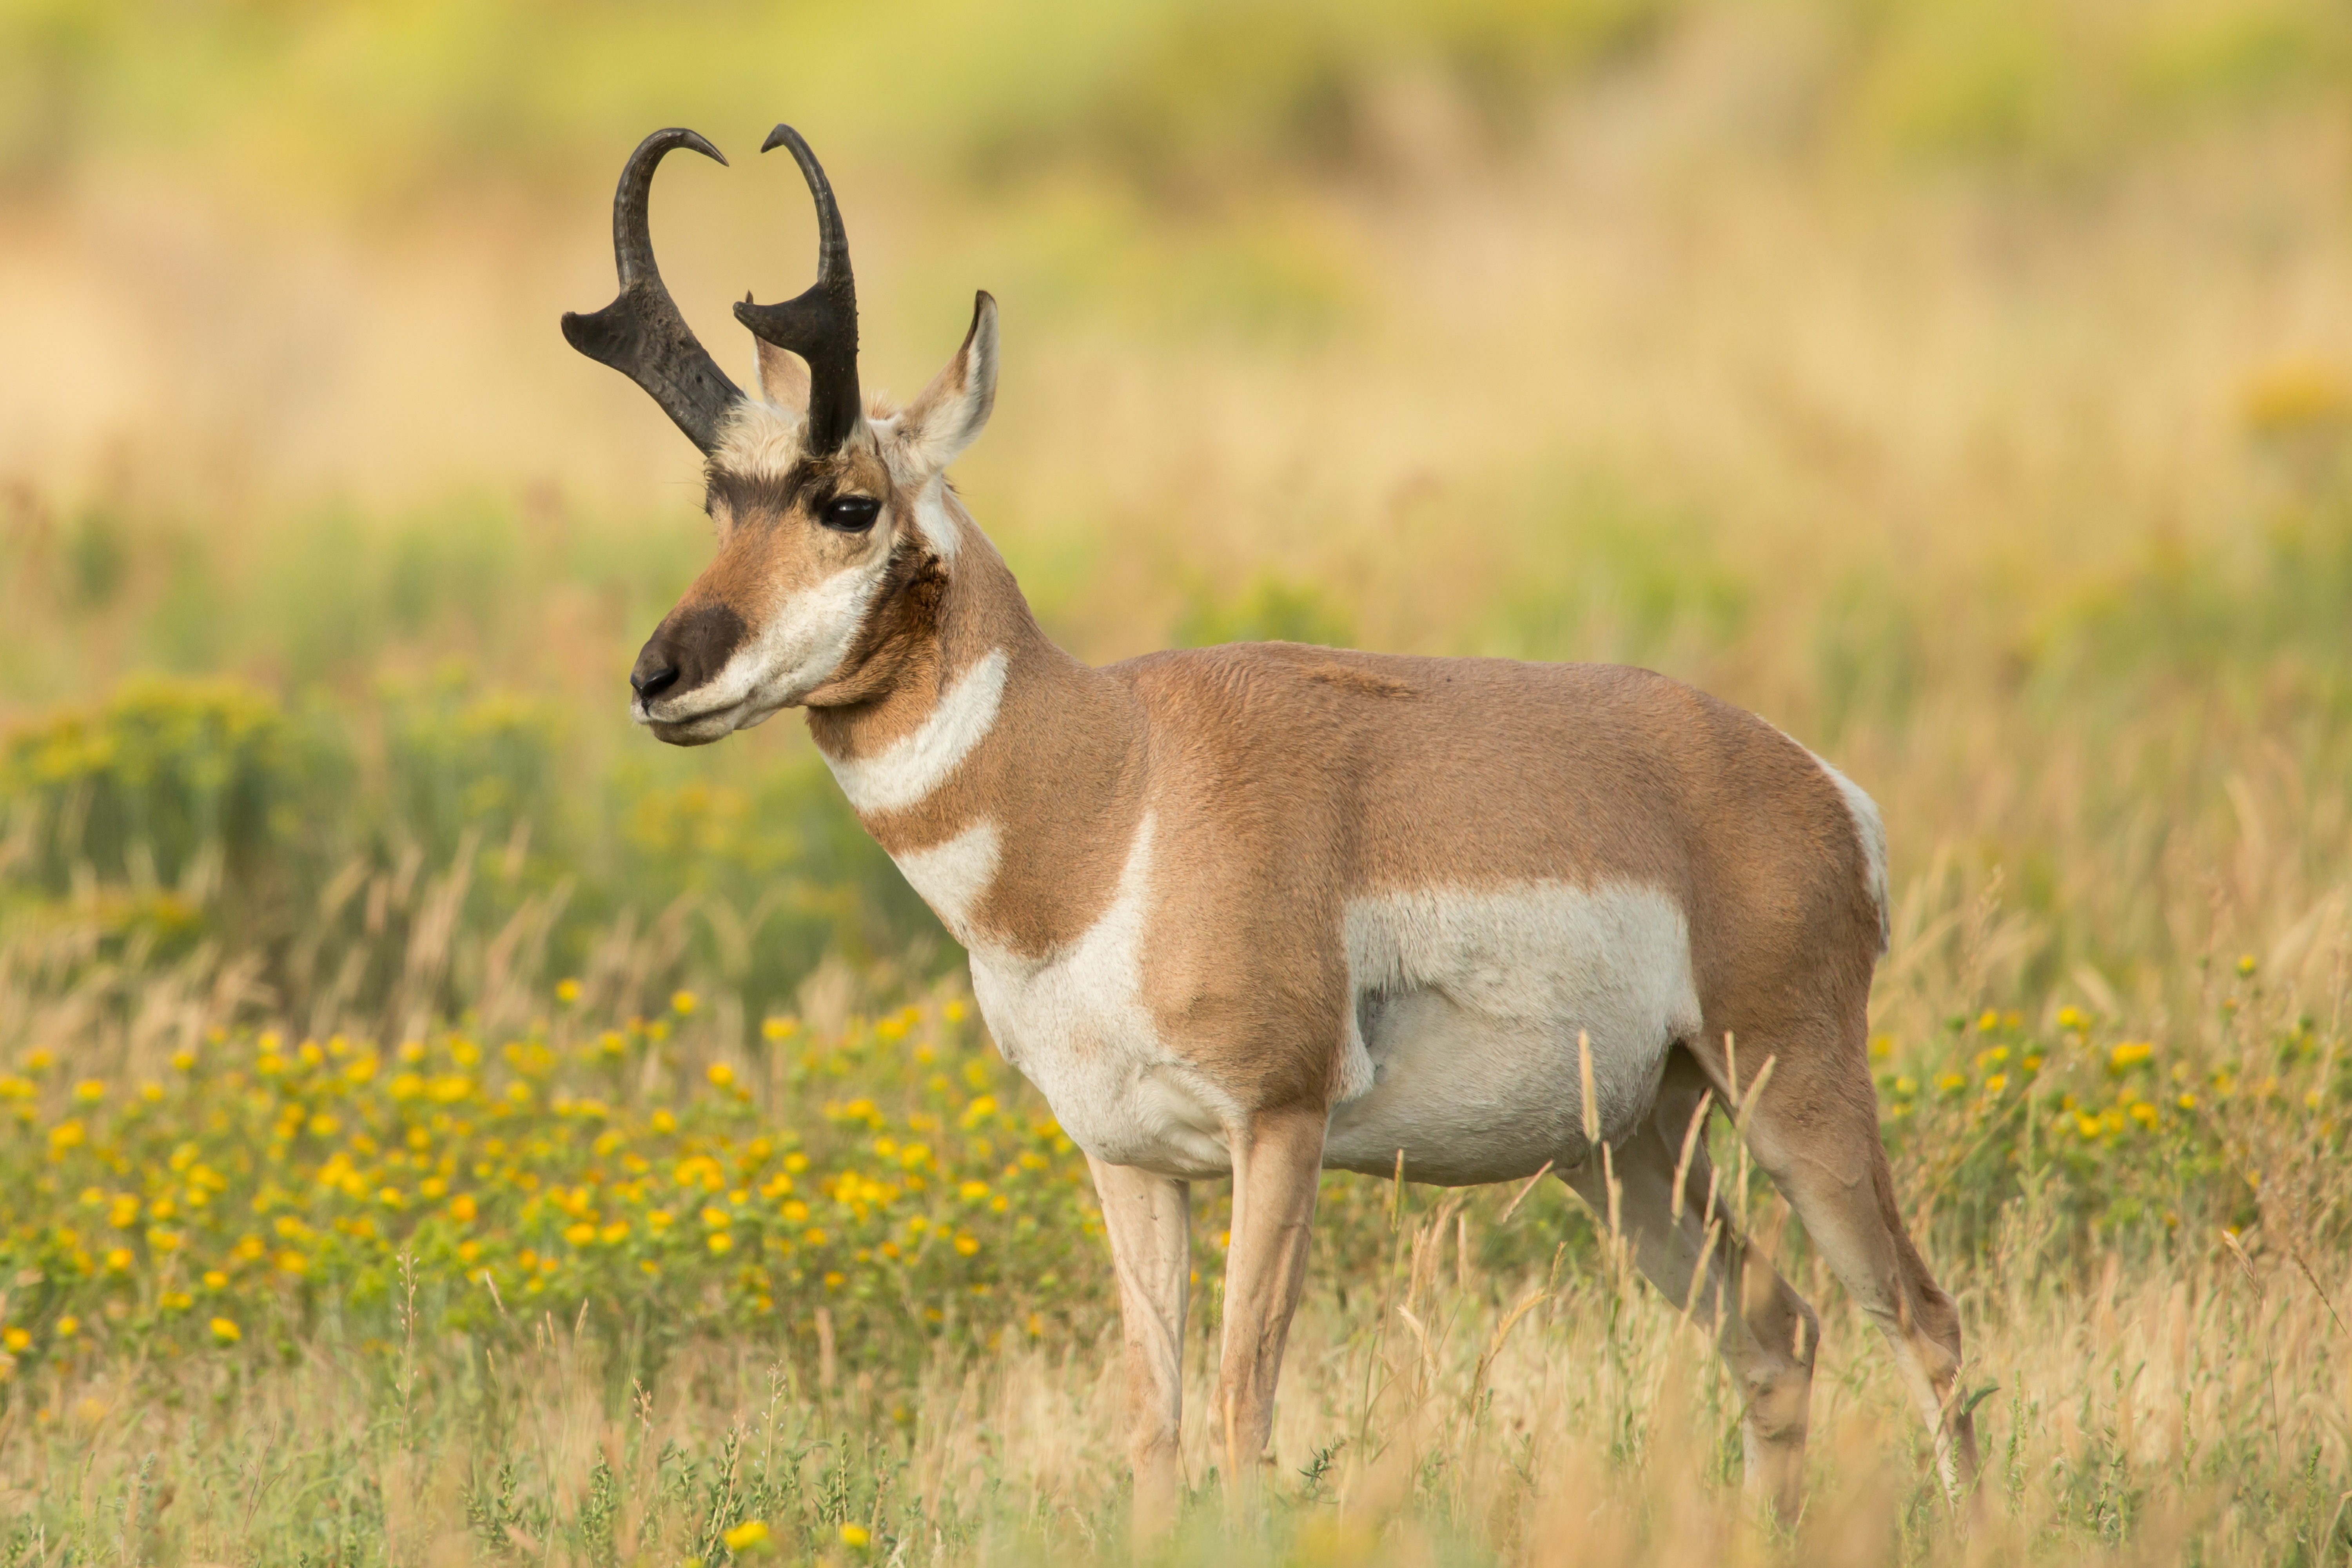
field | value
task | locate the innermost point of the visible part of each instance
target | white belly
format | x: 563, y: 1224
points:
x: 1467, y: 1011
x: 1460, y: 1050
x: 1076, y: 1025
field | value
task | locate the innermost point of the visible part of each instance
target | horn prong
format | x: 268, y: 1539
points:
x: 641, y: 333
x: 820, y: 325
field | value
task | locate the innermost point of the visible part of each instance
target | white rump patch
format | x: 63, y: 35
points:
x: 1871, y: 830
x: 909, y: 769
x: 1468, y: 1003
x: 1076, y: 1025
x: 953, y: 876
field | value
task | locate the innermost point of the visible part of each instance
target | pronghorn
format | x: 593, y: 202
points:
x: 1263, y: 910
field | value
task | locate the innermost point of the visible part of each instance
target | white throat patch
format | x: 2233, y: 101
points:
x: 953, y: 876
x: 910, y: 769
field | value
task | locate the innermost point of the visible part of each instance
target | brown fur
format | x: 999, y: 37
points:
x: 1286, y: 781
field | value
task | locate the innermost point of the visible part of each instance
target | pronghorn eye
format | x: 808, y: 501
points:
x: 849, y: 514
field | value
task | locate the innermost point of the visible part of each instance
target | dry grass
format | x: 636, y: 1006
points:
x: 1967, y: 389
x: 2190, y: 1412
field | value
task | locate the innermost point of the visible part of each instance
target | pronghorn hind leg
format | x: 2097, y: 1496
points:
x: 1148, y: 1218
x: 1815, y: 1133
x: 1277, y: 1161
x: 1764, y: 1329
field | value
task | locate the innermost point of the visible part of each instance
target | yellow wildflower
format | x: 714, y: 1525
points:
x: 567, y: 992
x: 2130, y: 1054
x: 752, y: 1532
x: 854, y: 1535
x: 721, y: 1075
x: 682, y: 1003
x: 226, y: 1332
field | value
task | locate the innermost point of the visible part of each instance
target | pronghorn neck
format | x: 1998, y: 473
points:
x: 997, y: 769
x: 942, y: 670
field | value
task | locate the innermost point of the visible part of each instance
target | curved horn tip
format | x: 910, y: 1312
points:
x: 782, y: 135
x: 679, y: 136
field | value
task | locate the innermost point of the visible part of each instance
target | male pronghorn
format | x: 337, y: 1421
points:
x: 1264, y: 909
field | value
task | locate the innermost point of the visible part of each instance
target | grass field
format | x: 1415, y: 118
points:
x: 438, y: 1124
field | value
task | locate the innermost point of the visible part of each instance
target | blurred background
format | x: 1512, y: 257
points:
x: 1965, y: 387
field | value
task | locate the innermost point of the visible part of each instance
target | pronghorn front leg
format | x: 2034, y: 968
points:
x: 1148, y: 1218
x: 1277, y: 1158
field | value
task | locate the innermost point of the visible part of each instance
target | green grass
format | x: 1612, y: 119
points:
x: 1964, y: 388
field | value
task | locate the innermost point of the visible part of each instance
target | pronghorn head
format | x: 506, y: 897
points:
x: 834, y: 535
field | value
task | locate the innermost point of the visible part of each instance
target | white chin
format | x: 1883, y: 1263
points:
x: 689, y: 729
x: 702, y: 728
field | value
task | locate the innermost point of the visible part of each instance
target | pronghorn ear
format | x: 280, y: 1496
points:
x: 950, y: 413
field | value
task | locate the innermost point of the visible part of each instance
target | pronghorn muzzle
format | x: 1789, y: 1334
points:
x: 693, y: 643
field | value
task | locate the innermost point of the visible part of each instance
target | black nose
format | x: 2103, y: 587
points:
x: 652, y: 676
x: 691, y: 645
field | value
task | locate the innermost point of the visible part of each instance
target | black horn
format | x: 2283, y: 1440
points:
x: 641, y: 333
x: 819, y: 325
